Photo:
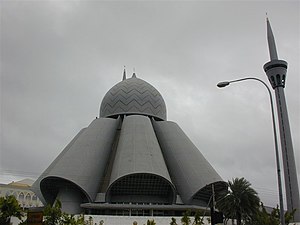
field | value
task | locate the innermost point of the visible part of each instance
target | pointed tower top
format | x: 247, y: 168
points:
x: 271, y: 41
x: 134, y: 75
x: 124, y: 74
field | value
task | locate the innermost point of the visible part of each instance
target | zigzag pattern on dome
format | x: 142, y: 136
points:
x: 133, y: 96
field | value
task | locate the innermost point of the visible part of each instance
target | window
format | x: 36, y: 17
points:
x: 21, y: 196
x: 28, y: 197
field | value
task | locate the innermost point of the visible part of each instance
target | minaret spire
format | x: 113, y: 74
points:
x: 276, y: 71
x: 124, y: 73
x: 271, y: 42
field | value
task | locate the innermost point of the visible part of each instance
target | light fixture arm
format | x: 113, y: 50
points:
x: 226, y: 83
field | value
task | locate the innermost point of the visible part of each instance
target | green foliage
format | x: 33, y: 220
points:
x: 150, y: 222
x: 173, y: 221
x: 9, y: 207
x: 90, y: 221
x: 264, y: 218
x: 72, y: 220
x: 240, y: 202
x: 186, y: 220
x: 197, y: 218
x: 54, y: 216
x: 288, y: 216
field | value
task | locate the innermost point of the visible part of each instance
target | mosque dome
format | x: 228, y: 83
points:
x: 133, y: 96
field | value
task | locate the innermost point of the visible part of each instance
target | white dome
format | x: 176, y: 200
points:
x: 133, y: 96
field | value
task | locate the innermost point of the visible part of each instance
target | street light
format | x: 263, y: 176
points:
x: 226, y: 83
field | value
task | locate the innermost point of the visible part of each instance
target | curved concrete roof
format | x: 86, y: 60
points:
x: 133, y: 96
x: 191, y: 173
x: 139, y: 158
x: 82, y: 162
x: 141, y: 188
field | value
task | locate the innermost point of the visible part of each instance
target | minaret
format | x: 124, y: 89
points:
x: 276, y: 71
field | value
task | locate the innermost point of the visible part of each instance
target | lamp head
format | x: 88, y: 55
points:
x: 223, y: 84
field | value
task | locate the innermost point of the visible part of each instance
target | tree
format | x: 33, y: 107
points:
x: 240, y: 202
x: 150, y: 222
x: 53, y: 215
x: 9, y: 206
x: 90, y: 221
x: 173, y: 221
x: 197, y: 218
x: 186, y: 220
x: 272, y: 218
x: 72, y: 220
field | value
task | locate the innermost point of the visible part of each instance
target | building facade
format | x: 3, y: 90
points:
x: 130, y: 161
x: 21, y: 190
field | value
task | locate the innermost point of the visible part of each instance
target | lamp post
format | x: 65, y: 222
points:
x: 226, y: 83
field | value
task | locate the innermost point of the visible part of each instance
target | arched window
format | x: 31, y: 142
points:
x: 21, y: 196
x: 28, y: 197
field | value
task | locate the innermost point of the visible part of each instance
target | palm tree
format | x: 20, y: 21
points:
x: 240, y: 202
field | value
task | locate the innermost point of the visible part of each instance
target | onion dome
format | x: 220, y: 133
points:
x: 133, y: 96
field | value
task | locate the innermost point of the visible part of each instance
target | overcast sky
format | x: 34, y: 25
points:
x: 59, y: 58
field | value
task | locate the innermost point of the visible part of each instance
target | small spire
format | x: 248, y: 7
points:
x: 271, y: 41
x: 134, y: 75
x: 124, y: 73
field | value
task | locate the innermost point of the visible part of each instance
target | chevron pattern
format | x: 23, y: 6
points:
x: 133, y: 96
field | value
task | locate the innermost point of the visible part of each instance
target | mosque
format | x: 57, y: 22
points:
x: 130, y: 161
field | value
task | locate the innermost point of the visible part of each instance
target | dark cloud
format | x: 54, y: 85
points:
x: 59, y: 58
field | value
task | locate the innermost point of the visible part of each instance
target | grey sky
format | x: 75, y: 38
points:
x: 59, y: 58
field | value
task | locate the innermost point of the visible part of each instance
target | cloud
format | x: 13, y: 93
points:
x: 58, y: 59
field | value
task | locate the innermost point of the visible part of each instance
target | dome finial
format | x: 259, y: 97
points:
x: 134, y: 75
x: 124, y: 73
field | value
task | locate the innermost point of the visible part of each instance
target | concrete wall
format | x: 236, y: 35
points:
x: 128, y: 220
x: 24, y: 196
x: 124, y: 220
